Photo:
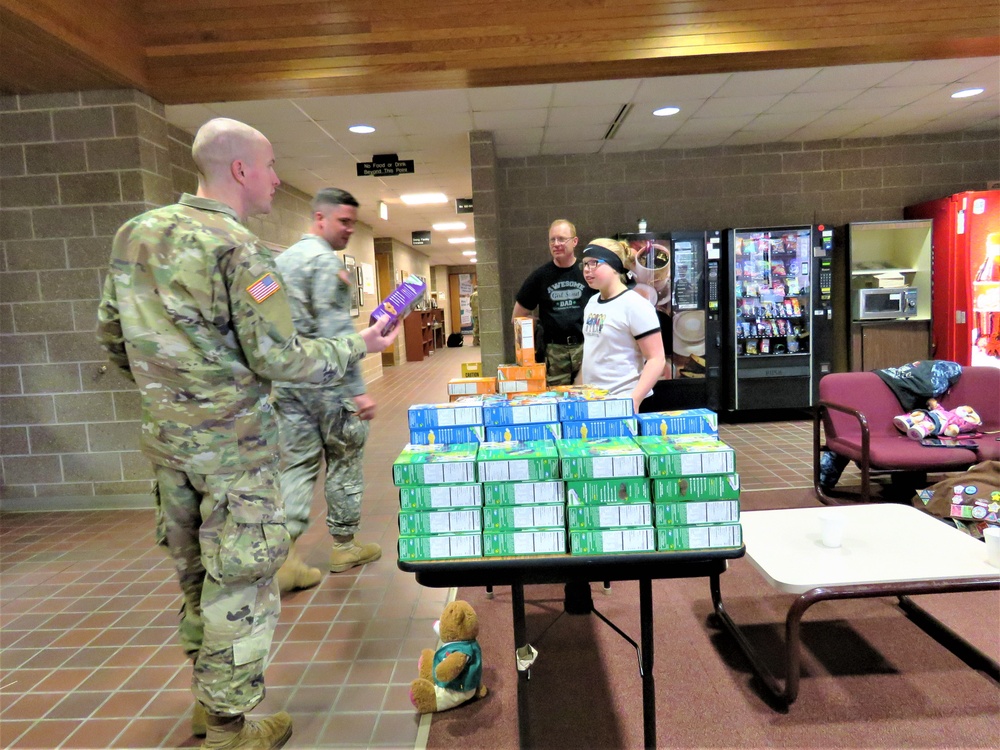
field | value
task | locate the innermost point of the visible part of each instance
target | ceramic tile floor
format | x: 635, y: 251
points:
x: 88, y: 607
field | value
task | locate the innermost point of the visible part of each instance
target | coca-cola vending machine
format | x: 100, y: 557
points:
x: 965, y: 295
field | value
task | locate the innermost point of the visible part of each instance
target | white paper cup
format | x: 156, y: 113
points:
x: 831, y: 527
x: 991, y: 535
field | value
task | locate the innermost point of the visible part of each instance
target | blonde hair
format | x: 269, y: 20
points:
x: 570, y: 224
x: 619, y: 248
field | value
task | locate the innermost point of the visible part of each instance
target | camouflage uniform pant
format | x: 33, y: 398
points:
x: 315, y: 424
x: 227, y: 537
x: 475, y: 330
x: 562, y: 363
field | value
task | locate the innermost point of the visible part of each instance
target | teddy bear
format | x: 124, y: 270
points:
x: 453, y: 674
x: 936, y: 421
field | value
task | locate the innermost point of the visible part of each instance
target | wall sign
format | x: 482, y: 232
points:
x: 463, y: 205
x: 385, y: 165
x: 420, y: 238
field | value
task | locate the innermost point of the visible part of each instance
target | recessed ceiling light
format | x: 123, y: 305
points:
x: 448, y: 226
x: 361, y: 129
x: 666, y: 111
x: 461, y: 240
x: 472, y: 260
x: 422, y: 199
x: 468, y: 252
x: 965, y: 93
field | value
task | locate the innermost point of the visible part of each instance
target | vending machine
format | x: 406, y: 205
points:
x: 778, y: 316
x: 966, y: 276
x: 679, y: 273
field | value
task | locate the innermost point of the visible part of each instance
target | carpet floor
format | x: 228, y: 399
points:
x: 870, y: 676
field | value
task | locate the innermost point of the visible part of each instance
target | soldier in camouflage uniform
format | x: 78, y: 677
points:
x: 328, y: 420
x: 195, y: 312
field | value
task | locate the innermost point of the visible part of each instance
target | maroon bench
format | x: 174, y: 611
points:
x: 856, y: 410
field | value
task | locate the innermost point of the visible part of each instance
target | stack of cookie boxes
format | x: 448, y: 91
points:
x: 523, y: 491
x: 440, y: 497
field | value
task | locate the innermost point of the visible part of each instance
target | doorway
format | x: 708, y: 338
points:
x: 384, y: 275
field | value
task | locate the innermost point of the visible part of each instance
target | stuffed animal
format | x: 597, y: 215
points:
x: 453, y: 674
x: 936, y: 421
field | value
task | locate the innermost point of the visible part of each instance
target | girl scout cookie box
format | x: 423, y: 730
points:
x: 523, y: 493
x: 578, y: 406
x: 439, y: 463
x: 679, y: 422
x: 599, y: 428
x: 670, y: 538
x: 696, y: 513
x: 428, y: 497
x: 502, y: 433
x: 608, y: 491
x: 521, y: 410
x: 400, y: 301
x: 601, y: 458
x: 518, y: 462
x: 612, y: 541
x: 551, y: 541
x: 580, y: 517
x: 678, y: 458
x: 697, y: 487
x: 453, y: 414
x: 440, y: 521
x: 441, y: 546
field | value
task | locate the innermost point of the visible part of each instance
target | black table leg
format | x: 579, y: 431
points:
x: 648, y: 684
x: 521, y: 641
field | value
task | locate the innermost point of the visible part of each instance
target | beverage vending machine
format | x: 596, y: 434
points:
x: 778, y: 317
x: 679, y: 273
x: 966, y: 275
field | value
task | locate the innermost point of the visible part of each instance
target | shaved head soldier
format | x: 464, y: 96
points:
x: 195, y: 312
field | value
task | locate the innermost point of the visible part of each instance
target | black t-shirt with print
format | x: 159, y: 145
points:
x: 560, y: 294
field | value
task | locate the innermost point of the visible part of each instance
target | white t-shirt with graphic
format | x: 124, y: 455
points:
x: 611, y: 330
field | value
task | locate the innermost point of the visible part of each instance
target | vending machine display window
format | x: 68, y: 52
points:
x: 771, y: 275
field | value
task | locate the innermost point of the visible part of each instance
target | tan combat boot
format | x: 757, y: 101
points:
x: 198, y: 722
x: 241, y: 733
x: 294, y: 574
x: 347, y: 554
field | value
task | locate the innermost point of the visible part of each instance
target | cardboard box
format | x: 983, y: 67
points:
x: 528, y: 542
x: 451, y: 521
x: 608, y: 491
x: 508, y: 517
x: 521, y: 410
x: 400, y: 301
x: 520, y: 387
x: 456, y: 414
x: 589, y: 429
x: 522, y: 432
x: 524, y: 340
x: 600, y: 459
x: 433, y: 435
x: 612, y: 541
x: 426, y: 497
x: 523, y: 493
x: 532, y: 460
x: 585, y: 405
x: 441, y: 546
x: 698, y: 487
x: 440, y: 463
x: 697, y: 512
x: 669, y: 458
x: 609, y: 516
x: 472, y: 369
x: 471, y: 386
x: 671, y: 538
x: 533, y: 371
x: 679, y: 422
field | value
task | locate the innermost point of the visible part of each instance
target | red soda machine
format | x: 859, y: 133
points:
x: 965, y: 296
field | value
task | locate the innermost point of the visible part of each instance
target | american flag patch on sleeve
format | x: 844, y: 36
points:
x: 263, y: 287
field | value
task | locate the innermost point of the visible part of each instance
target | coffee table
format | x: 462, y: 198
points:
x: 888, y: 550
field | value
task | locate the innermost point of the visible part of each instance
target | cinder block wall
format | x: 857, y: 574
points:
x: 831, y: 182
x: 73, y: 168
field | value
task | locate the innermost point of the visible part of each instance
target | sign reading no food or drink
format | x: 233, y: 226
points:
x: 385, y: 165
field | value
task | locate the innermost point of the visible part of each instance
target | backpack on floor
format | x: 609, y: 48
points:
x: 455, y: 339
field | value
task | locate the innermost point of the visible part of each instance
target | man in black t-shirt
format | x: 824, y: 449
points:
x: 560, y: 293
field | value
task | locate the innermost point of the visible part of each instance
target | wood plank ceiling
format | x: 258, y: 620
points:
x: 191, y: 51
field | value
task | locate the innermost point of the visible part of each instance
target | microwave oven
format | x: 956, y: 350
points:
x: 885, y: 303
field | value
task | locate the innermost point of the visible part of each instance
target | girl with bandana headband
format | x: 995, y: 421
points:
x: 622, y: 347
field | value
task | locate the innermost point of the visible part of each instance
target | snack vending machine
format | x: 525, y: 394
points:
x: 679, y: 273
x: 779, y: 316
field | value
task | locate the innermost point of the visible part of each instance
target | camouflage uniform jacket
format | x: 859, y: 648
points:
x: 195, y: 311
x: 320, y: 299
